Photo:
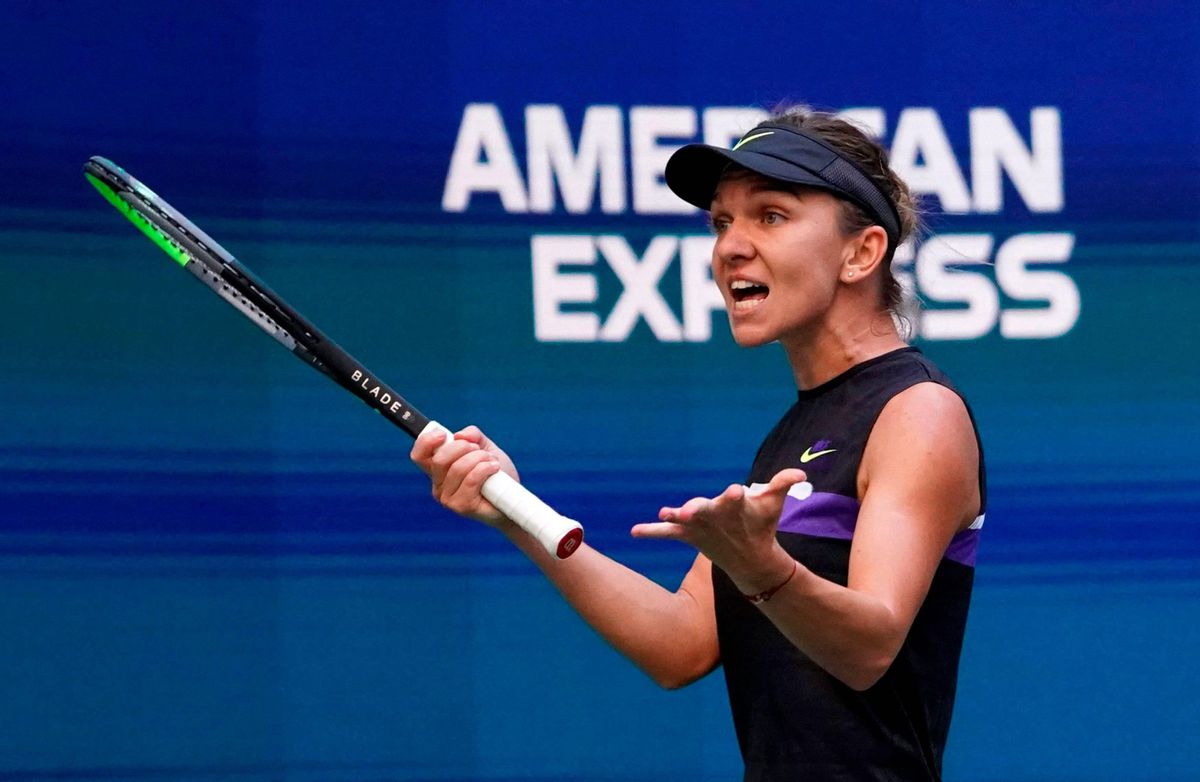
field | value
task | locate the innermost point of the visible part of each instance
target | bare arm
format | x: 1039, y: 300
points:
x: 671, y: 636
x: 919, y: 485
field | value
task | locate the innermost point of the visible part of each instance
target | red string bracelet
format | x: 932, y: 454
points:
x: 763, y: 597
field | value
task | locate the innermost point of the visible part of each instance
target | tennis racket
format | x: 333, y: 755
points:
x: 212, y: 265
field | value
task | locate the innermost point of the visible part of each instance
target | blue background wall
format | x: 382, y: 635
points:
x: 214, y: 565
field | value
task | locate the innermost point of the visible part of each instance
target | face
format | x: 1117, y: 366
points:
x: 777, y: 257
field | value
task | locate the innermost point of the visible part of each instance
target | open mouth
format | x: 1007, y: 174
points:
x: 747, y: 294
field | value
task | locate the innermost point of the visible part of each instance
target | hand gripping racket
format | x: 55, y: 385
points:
x: 209, y: 263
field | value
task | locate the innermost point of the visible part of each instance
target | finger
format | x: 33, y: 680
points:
x: 472, y: 483
x: 475, y: 435
x: 425, y: 446
x: 692, y: 507
x: 468, y: 500
x: 447, y: 452
x: 659, y: 530
x: 784, y: 479
x: 769, y: 498
x: 457, y: 472
x: 472, y: 434
x: 446, y: 455
x: 734, y: 492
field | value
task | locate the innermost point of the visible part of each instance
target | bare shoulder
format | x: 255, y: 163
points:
x: 924, y: 436
x: 926, y: 415
x: 929, y: 403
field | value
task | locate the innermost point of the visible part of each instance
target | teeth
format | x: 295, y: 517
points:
x: 738, y: 285
x: 748, y: 304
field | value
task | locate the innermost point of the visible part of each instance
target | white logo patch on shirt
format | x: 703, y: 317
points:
x: 801, y: 491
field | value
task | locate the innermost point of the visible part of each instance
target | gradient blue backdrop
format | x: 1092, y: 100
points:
x: 215, y: 565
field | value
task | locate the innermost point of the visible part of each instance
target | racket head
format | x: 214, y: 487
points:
x: 162, y: 223
x: 202, y: 255
x: 216, y: 267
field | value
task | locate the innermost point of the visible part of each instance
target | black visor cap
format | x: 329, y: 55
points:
x: 783, y: 154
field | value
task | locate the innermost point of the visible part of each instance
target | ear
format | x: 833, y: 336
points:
x: 865, y: 253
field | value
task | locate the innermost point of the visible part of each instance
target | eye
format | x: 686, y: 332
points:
x: 773, y: 218
x: 718, y: 224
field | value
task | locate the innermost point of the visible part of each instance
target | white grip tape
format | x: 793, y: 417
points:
x: 558, y: 535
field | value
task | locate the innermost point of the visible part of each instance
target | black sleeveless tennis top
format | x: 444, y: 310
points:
x: 794, y: 721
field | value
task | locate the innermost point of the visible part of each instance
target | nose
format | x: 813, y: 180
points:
x: 733, y: 245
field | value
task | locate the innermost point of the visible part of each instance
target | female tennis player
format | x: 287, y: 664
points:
x: 833, y: 585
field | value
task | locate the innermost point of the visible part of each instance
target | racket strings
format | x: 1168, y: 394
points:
x: 235, y: 297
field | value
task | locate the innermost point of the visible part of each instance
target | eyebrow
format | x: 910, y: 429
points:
x: 763, y: 185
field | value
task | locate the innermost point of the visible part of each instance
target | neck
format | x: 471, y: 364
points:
x: 837, y: 344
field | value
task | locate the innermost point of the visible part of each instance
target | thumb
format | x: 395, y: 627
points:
x: 473, y: 434
x: 784, y: 480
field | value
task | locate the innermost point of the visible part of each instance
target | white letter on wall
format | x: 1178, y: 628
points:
x: 553, y: 288
x: 647, y: 125
x: 483, y: 162
x: 1036, y: 171
x: 599, y: 157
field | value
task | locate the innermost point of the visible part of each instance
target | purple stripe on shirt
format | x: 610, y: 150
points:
x: 828, y: 515
x: 823, y: 514
x: 963, y: 547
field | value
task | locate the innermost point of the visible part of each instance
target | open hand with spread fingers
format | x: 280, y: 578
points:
x: 736, y: 529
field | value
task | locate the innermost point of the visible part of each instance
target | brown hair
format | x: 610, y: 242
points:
x: 870, y: 156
